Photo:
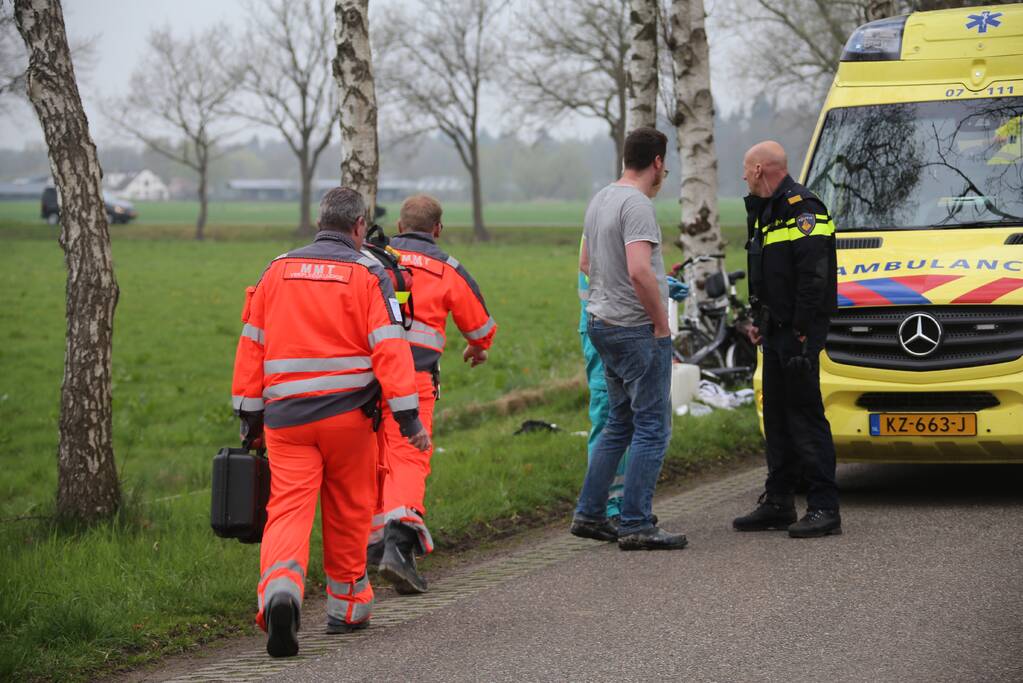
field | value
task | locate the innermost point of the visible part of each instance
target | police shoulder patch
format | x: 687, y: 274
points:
x: 805, y: 222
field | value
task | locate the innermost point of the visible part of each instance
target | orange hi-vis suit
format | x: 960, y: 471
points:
x: 440, y: 285
x: 322, y: 342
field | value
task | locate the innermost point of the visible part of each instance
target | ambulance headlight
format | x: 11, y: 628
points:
x: 878, y: 41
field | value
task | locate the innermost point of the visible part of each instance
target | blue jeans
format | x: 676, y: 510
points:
x: 638, y: 372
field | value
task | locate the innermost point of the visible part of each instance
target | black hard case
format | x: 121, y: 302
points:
x: 241, y: 489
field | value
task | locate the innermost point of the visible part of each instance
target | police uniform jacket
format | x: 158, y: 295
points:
x: 791, y: 258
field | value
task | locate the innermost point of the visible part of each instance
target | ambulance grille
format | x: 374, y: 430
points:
x: 972, y: 336
x: 926, y: 401
x: 859, y: 243
x: 1014, y: 238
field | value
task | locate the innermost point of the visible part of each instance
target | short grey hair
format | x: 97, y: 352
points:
x: 340, y: 208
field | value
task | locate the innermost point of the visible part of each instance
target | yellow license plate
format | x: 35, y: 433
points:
x: 923, y: 424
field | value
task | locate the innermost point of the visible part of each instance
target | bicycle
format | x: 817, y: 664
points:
x: 712, y: 334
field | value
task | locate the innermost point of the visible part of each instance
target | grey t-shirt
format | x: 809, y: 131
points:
x: 619, y: 215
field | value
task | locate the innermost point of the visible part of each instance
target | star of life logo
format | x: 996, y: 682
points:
x: 982, y: 21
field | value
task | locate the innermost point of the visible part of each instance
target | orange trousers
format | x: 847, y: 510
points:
x: 408, y: 468
x: 337, y: 458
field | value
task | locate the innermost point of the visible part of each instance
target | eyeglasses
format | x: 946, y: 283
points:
x: 665, y: 171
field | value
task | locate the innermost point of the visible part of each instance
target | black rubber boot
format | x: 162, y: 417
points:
x: 773, y: 512
x: 336, y: 628
x: 398, y: 564
x: 816, y: 523
x: 282, y: 623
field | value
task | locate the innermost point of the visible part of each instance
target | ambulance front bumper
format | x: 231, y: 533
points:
x: 996, y: 400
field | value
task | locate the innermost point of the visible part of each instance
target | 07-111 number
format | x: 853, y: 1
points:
x: 993, y: 90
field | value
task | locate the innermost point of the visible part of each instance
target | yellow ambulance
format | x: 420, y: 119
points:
x: 918, y: 155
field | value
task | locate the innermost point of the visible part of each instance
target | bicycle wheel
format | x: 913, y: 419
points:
x: 741, y: 354
x: 688, y: 346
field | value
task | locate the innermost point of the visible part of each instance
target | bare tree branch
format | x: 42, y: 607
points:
x: 799, y: 42
x: 289, y: 87
x: 183, y: 87
x: 434, y: 65
x: 14, y: 60
x: 573, y: 58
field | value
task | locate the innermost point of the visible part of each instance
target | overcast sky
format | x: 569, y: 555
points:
x: 120, y: 29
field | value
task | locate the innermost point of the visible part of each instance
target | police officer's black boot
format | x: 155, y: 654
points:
x: 774, y: 511
x: 282, y: 616
x: 817, y: 522
x: 398, y: 564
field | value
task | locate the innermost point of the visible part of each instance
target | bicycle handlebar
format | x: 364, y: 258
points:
x: 702, y: 258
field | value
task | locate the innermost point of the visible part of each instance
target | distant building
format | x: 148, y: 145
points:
x: 263, y: 189
x: 141, y: 185
x: 441, y: 186
x: 24, y: 188
x: 388, y: 190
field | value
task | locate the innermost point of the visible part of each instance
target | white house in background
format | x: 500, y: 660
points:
x: 140, y: 185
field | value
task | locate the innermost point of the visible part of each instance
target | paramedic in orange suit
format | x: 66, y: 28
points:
x: 321, y: 348
x: 440, y: 285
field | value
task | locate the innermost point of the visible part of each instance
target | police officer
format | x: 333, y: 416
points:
x: 793, y: 289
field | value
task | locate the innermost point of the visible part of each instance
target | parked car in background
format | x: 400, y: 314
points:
x: 118, y: 210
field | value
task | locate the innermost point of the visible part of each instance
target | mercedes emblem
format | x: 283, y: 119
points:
x: 920, y: 334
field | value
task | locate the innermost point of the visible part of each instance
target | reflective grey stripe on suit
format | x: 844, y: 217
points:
x: 327, y: 383
x: 386, y: 332
x: 272, y: 367
x: 249, y: 405
x: 482, y: 331
x: 401, y: 403
x: 254, y: 333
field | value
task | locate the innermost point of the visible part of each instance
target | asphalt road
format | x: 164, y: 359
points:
x: 926, y: 584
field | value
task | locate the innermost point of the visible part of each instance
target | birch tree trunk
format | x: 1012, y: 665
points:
x: 353, y: 71
x: 642, y: 64
x: 87, y: 487
x: 699, y: 227
x: 618, y: 133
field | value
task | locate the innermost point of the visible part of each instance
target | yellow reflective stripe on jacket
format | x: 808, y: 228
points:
x: 791, y: 223
x: 824, y: 229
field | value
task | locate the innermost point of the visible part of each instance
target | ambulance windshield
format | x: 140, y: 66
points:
x: 922, y: 165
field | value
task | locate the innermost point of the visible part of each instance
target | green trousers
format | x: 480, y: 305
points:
x: 599, y: 408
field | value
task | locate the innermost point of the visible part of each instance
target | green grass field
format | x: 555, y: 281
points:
x: 76, y: 604
x: 559, y: 214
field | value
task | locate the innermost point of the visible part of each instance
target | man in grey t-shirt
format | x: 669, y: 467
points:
x: 620, y: 215
x: 628, y: 325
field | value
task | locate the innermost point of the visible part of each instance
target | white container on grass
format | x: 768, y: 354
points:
x: 685, y: 384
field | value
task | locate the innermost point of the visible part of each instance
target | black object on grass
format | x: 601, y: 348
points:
x: 537, y: 426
